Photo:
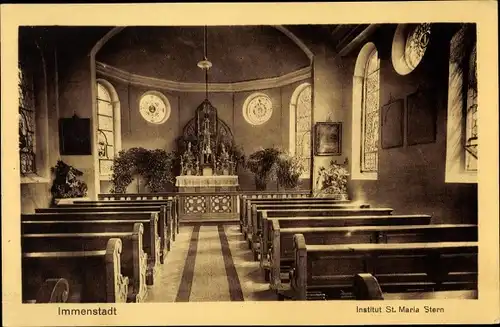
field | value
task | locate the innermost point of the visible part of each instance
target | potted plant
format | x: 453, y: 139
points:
x: 288, y: 170
x: 238, y: 155
x: 66, y: 186
x: 127, y: 166
x: 154, y: 167
x: 263, y: 163
x: 158, y: 170
x: 332, y: 181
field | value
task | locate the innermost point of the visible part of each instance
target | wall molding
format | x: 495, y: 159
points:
x: 112, y: 72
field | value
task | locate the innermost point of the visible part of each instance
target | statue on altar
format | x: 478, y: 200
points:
x: 207, y: 144
x: 209, y: 154
x: 189, y: 163
x: 225, y: 165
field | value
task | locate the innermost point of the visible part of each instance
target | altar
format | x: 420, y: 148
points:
x: 208, y: 184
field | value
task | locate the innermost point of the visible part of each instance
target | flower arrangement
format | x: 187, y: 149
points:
x: 288, y: 170
x: 333, y: 179
x: 156, y: 167
x: 238, y: 156
x: 262, y: 164
x: 158, y: 170
x: 66, y: 184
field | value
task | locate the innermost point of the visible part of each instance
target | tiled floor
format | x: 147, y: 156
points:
x: 219, y: 267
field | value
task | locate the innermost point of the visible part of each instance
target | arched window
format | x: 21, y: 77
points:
x: 300, y: 126
x: 471, y: 136
x: 27, y: 121
x: 365, y: 117
x: 108, y: 128
x: 462, y: 140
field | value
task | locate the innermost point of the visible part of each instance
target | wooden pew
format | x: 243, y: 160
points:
x: 257, y: 225
x: 165, y: 226
x: 269, y: 224
x: 96, y: 273
x: 53, y: 290
x: 39, y: 223
x: 246, y: 206
x: 171, y: 203
x: 281, y: 251
x: 366, y: 287
x: 133, y: 259
x: 263, y: 195
x: 142, y: 197
x: 257, y: 206
x: 328, y: 270
x: 263, y: 204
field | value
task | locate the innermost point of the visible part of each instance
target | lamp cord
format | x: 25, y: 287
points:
x: 205, y: 58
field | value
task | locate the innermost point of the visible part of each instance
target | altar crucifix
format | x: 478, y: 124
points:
x: 207, y: 151
x: 206, y: 118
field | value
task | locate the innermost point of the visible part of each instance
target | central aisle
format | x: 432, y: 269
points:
x: 209, y: 263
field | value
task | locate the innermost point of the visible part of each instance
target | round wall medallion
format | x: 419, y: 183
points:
x: 154, y: 107
x: 257, y: 109
x: 409, y: 45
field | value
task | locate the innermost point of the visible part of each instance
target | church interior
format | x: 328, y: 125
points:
x: 248, y: 163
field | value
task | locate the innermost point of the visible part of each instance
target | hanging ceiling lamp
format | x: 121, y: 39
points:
x: 205, y: 64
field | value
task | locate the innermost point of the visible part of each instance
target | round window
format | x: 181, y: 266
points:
x: 409, y: 46
x: 257, y: 109
x: 154, y: 107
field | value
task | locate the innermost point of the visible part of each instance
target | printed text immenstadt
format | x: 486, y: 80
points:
x: 87, y: 312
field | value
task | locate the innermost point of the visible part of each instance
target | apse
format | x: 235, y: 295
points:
x: 238, y: 53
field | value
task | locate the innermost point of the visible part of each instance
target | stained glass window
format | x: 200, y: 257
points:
x: 303, y: 129
x: 27, y: 139
x: 105, y: 132
x: 257, y: 109
x: 370, y: 115
x: 471, y: 137
x: 416, y: 45
x: 154, y: 109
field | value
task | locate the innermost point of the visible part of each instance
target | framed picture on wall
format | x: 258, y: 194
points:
x: 328, y: 139
x: 393, y: 124
x: 74, y: 136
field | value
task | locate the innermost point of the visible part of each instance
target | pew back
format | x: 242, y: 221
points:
x: 314, y: 212
x: 170, y: 201
x: 101, y: 222
x: 246, y: 206
x: 95, y: 275
x: 133, y: 258
x: 401, y: 267
x: 263, y: 195
x: 165, y: 224
x: 281, y: 251
x: 289, y: 223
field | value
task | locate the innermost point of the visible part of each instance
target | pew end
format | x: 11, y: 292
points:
x: 366, y: 287
x: 92, y: 276
x: 53, y: 290
x: 116, y: 283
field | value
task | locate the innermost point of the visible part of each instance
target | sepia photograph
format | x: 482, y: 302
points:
x: 326, y: 163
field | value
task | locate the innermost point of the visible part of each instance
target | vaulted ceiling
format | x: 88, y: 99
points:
x: 238, y: 53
